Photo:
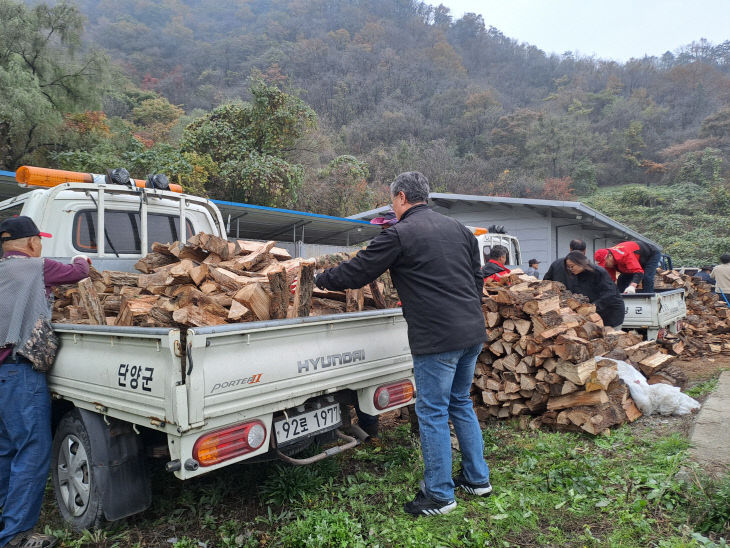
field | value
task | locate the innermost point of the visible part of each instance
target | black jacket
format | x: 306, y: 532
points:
x: 601, y: 291
x: 558, y: 273
x: 434, y: 264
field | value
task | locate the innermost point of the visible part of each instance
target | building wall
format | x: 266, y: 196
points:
x: 541, y: 237
x: 531, y: 228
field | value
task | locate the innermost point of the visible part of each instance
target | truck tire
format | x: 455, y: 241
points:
x: 76, y: 491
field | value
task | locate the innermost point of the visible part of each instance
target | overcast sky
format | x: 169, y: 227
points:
x: 609, y: 29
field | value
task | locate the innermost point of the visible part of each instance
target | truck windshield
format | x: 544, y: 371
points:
x: 123, y: 230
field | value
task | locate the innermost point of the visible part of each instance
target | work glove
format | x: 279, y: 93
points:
x: 630, y: 290
x: 84, y: 257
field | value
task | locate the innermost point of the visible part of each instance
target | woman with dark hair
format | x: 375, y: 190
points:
x: 595, y: 283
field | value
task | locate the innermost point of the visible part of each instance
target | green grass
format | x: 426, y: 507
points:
x: 551, y: 489
x: 702, y: 388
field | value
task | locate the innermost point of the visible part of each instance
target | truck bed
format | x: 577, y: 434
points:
x: 654, y: 311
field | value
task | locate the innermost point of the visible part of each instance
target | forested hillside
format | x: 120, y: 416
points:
x: 316, y: 104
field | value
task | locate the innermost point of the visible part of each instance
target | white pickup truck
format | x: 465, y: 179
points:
x: 662, y: 311
x: 199, y: 399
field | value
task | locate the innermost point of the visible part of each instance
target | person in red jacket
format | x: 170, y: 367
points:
x: 494, y: 270
x: 634, y: 261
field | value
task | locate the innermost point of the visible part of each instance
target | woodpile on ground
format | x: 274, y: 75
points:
x: 549, y: 360
x: 706, y: 330
x: 205, y: 282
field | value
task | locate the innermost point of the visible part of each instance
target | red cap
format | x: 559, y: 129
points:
x: 600, y: 256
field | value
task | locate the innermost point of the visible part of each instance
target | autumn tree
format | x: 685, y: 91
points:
x: 42, y: 78
x: 339, y: 189
x: 248, y: 143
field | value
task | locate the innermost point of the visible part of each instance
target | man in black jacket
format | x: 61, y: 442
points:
x: 557, y: 271
x: 434, y: 264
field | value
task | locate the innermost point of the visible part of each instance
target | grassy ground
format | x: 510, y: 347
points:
x: 551, y: 489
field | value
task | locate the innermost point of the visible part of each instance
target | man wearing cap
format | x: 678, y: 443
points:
x: 434, y: 263
x: 635, y: 261
x: 25, y: 406
x: 532, y: 268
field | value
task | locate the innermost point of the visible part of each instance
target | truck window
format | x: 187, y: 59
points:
x: 11, y: 211
x: 122, y: 229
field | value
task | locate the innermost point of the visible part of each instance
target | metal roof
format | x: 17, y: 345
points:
x: 559, y: 209
x: 263, y: 223
x: 272, y: 223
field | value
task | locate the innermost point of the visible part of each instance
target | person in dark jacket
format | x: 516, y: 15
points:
x: 434, y: 264
x: 704, y: 275
x: 557, y: 271
x: 595, y: 283
x: 494, y: 270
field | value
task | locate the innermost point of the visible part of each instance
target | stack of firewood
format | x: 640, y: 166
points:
x: 207, y: 281
x: 707, y: 326
x: 548, y: 354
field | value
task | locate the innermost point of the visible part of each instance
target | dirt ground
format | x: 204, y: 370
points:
x: 703, y: 368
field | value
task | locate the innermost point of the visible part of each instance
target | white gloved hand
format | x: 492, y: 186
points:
x: 84, y: 257
x: 630, y: 290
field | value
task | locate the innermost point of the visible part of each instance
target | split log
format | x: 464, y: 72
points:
x: 279, y: 288
x: 196, y: 316
x: 577, y: 399
x: 541, y: 306
x: 90, y: 300
x: 154, y: 260
x: 578, y: 373
x: 354, y: 300
x: 573, y: 349
x: 303, y: 294
x: 654, y: 363
x: 255, y: 298
x: 199, y: 273
x: 113, y: 277
x: 377, y: 295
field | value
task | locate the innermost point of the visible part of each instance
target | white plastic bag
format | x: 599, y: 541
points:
x: 655, y: 398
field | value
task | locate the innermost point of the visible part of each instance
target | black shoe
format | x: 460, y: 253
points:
x: 372, y: 430
x: 481, y: 489
x: 423, y: 505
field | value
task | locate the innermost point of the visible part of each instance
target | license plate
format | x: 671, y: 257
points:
x: 307, y: 424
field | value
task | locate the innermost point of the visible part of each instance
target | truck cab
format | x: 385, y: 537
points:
x: 132, y: 220
x: 489, y: 237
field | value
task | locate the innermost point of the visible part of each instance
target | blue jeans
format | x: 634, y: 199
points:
x: 443, y: 382
x: 25, y: 446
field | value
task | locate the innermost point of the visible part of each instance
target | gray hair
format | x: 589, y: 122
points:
x: 413, y: 184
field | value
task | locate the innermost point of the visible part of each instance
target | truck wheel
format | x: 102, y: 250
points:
x: 71, y: 471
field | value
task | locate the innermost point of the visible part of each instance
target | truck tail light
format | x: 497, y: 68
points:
x: 229, y: 443
x: 390, y: 395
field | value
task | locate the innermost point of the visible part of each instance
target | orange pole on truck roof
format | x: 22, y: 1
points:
x: 46, y: 177
x: 42, y: 176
